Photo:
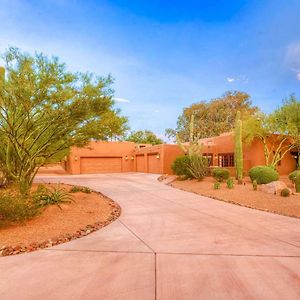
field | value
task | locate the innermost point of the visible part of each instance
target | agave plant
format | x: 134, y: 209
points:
x: 55, y: 195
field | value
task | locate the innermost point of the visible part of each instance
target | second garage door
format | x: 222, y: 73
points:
x: 153, y: 164
x: 90, y: 165
x: 140, y: 163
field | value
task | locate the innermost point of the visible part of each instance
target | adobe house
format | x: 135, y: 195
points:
x: 112, y: 157
x: 220, y: 152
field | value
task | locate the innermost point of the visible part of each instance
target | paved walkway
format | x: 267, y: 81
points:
x: 167, y: 244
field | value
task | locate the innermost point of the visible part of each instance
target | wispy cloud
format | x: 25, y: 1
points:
x: 230, y: 79
x: 240, y: 78
x: 121, y: 100
x: 293, y: 54
x: 298, y: 76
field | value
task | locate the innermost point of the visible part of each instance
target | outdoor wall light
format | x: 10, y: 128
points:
x: 126, y: 157
x: 157, y: 156
x: 132, y: 157
x: 75, y: 158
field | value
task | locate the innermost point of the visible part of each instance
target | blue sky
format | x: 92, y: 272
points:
x: 165, y: 55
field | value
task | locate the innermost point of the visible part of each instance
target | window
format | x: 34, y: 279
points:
x: 209, y: 157
x: 226, y: 160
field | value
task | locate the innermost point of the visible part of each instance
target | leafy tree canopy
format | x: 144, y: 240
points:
x: 45, y: 109
x: 213, y: 117
x: 144, y: 137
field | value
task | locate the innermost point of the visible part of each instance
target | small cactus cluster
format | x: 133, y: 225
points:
x: 217, y: 185
x: 230, y: 183
x: 254, y: 184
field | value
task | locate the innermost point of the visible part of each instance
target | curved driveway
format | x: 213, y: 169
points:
x: 167, y: 244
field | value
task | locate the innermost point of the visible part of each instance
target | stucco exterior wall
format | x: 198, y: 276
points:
x: 124, y: 150
x: 159, y: 158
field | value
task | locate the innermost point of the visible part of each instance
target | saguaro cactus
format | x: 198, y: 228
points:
x: 194, y: 147
x: 297, y: 183
x: 238, y: 151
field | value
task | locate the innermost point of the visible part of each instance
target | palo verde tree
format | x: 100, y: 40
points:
x: 45, y: 109
x: 287, y: 120
x: 238, y: 149
x: 275, y: 144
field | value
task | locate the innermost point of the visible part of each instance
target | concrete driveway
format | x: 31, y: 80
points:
x: 167, y: 244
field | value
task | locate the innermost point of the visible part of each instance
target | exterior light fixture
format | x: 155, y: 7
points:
x: 132, y: 157
x: 157, y: 156
x: 75, y: 158
x: 126, y: 157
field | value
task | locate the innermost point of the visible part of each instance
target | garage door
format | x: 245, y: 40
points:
x: 153, y: 164
x: 140, y: 163
x: 100, y: 165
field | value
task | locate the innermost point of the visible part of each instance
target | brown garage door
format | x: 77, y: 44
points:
x: 100, y: 165
x: 153, y: 164
x: 140, y: 163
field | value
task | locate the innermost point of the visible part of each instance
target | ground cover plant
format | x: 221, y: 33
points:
x: 83, y: 189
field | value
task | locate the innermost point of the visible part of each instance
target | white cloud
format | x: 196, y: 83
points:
x: 230, y: 79
x: 121, y: 100
x: 241, y: 78
x: 298, y: 76
x: 293, y: 54
x: 156, y: 111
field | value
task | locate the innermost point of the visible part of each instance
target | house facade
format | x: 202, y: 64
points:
x: 112, y: 157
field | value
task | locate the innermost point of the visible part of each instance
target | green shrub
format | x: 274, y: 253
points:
x: 230, y: 183
x: 263, y: 174
x: 16, y: 208
x: 254, y: 184
x: 297, y: 183
x: 198, y: 166
x: 220, y: 174
x: 75, y: 189
x: 217, y: 185
x: 52, y: 196
x: 181, y: 165
x: 292, y: 176
x: 285, y: 192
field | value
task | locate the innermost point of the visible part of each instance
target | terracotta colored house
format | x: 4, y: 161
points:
x: 111, y: 157
x: 220, y: 151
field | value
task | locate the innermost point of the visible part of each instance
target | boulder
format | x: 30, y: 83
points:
x: 274, y: 187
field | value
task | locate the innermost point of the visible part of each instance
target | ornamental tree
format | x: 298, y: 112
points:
x: 144, y: 137
x: 45, y: 109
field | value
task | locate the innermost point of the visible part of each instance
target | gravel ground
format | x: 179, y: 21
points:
x: 245, y: 195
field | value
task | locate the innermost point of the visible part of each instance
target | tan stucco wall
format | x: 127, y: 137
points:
x: 102, y: 149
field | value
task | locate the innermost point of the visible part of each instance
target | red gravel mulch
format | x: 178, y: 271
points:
x: 88, y: 213
x: 244, y: 195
